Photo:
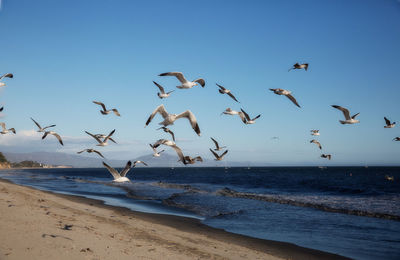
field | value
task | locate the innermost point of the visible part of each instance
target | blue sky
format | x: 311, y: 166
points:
x: 64, y: 54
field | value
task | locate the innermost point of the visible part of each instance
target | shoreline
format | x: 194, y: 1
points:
x: 190, y: 228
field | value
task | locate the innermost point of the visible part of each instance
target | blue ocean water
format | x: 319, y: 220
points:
x: 351, y: 211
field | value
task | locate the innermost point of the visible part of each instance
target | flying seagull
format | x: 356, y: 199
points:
x: 218, y: 157
x: 388, y: 124
x: 104, y: 136
x: 7, y: 75
x: 246, y: 118
x: 104, y: 142
x: 5, y: 130
x: 217, y: 147
x: 223, y: 90
x: 53, y: 133
x: 185, y: 82
x: 162, y: 94
x: 396, y: 139
x: 173, y: 145
x: 298, y: 66
x: 105, y: 111
x: 346, y: 113
x: 156, y: 154
x: 167, y: 130
x: 287, y: 93
x: 326, y: 156
x: 317, y: 143
x: 314, y: 132
x: 41, y: 129
x: 169, y: 119
x: 229, y: 111
x: 136, y: 162
x: 190, y: 160
x: 91, y: 151
x: 119, y: 176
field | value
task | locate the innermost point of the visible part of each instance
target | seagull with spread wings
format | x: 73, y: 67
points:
x: 91, y: 151
x: 104, y: 136
x: 298, y: 66
x: 388, y: 123
x: 105, y: 111
x: 223, y: 90
x: 317, y: 143
x: 217, y: 147
x: 162, y: 93
x: 169, y: 119
x: 314, y: 132
x: 326, y: 156
x: 284, y: 92
x: 41, y: 129
x: 346, y: 113
x: 104, y: 141
x: 156, y: 154
x: 185, y: 83
x: 119, y: 176
x: 5, y: 130
x: 218, y: 157
x: 53, y: 133
x: 246, y: 118
x: 7, y: 75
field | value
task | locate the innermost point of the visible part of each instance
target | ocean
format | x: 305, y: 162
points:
x: 351, y: 211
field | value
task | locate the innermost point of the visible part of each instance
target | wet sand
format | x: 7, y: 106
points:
x: 43, y: 225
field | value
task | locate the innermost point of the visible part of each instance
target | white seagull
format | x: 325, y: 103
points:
x: 5, y: 130
x: 136, y: 162
x: 346, y: 113
x: 105, y: 111
x: 388, y: 124
x: 298, y: 66
x: 167, y: 130
x: 185, y: 83
x: 104, y: 136
x: 229, y: 111
x: 162, y: 94
x: 317, y: 143
x: 287, y: 93
x: 246, y: 118
x: 173, y: 145
x: 326, y: 156
x: 53, y: 133
x: 218, y: 157
x: 119, y: 176
x: 217, y: 147
x: 7, y: 75
x: 91, y: 151
x: 41, y: 129
x: 169, y: 119
x: 104, y: 142
x: 314, y: 132
x: 223, y: 90
x: 156, y: 154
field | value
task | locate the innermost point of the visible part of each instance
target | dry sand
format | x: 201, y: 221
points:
x: 42, y: 225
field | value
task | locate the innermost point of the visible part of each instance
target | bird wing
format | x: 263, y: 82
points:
x: 305, y: 66
x: 192, y: 119
x: 113, y: 172
x: 136, y: 162
x: 1, y: 109
x: 214, y: 153
x: 178, y: 152
x: 128, y: 166
x: 58, y: 137
x: 152, y: 147
x: 387, y: 121
x: 99, y: 153
x: 7, y: 75
x: 44, y: 135
x: 222, y: 155
x: 95, y: 137
x: 198, y: 158
x: 82, y: 151
x: 160, y: 141
x: 171, y: 133
x: 101, y: 104
x: 160, y: 87
x: 242, y: 116
x: 202, y: 82
x: 3, y: 125
x: 232, y: 96
x: 178, y: 75
x: 160, y: 109
x: 293, y: 100
x: 215, y: 142
x: 112, y: 140
x: 354, y: 116
x: 161, y: 151
x: 345, y: 111
x: 108, y: 136
x: 256, y: 117
x: 116, y: 112
x: 246, y: 115
x: 48, y: 126
x: 221, y: 87
x: 36, y: 123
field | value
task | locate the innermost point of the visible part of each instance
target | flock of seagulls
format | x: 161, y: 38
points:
x: 169, y: 119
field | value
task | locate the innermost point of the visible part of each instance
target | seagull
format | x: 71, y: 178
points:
x: 167, y: 130
x: 53, y: 133
x: 218, y: 157
x: 388, y: 124
x: 169, y: 119
x: 41, y: 129
x: 173, y: 145
x: 7, y: 75
x: 91, y: 151
x: 287, y: 93
x: 246, y: 118
x: 217, y: 147
x: 5, y: 130
x: 104, y: 142
x: 156, y: 154
x: 105, y: 111
x: 326, y: 156
x: 223, y: 90
x: 229, y: 111
x: 396, y: 139
x: 185, y: 83
x: 349, y: 120
x: 317, y: 143
x: 136, y: 162
x: 104, y: 136
x: 314, y: 132
x: 190, y: 160
x: 119, y: 176
x: 389, y: 178
x: 298, y: 66
x: 162, y: 94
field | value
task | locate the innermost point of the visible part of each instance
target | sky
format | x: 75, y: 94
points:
x: 65, y: 54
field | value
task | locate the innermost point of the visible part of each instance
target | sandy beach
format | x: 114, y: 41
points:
x: 42, y: 225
